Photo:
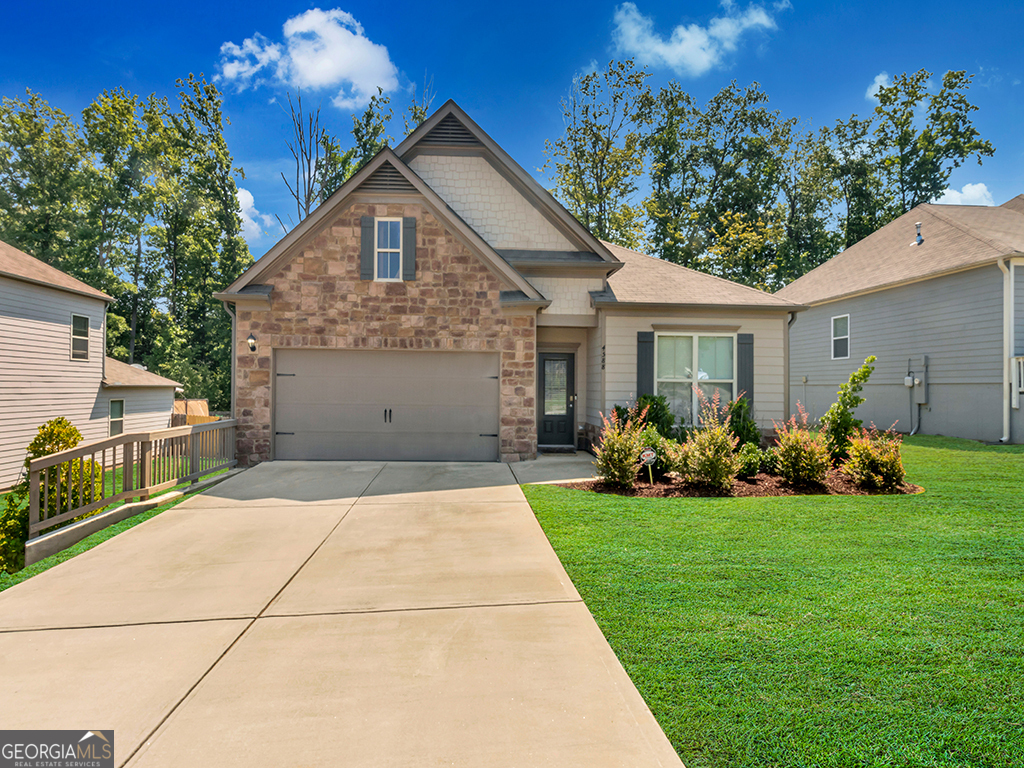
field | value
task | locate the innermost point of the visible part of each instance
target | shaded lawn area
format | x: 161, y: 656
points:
x: 818, y: 630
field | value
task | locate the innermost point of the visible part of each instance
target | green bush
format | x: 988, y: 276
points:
x: 838, y: 424
x: 55, y: 435
x: 875, y: 460
x: 712, y: 458
x: 742, y: 424
x: 802, y: 456
x: 677, y: 459
x: 618, y: 453
x: 749, y: 459
x: 770, y: 460
x: 650, y: 410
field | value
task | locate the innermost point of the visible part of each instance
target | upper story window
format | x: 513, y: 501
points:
x: 388, y: 251
x: 116, y: 417
x: 841, y: 337
x: 79, y: 337
x: 689, y: 366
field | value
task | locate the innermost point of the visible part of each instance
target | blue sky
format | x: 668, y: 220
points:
x: 508, y: 66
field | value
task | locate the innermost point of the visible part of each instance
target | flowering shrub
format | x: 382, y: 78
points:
x: 651, y: 437
x: 838, y: 425
x: 875, y: 460
x: 712, y: 459
x: 618, y: 454
x: 802, y: 456
x: 677, y: 459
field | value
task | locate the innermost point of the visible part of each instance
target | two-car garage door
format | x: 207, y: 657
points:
x: 354, y: 405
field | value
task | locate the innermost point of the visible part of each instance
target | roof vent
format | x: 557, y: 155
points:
x: 917, y: 240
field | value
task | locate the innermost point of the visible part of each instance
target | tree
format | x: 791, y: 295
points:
x: 853, y: 156
x: 599, y: 159
x: 919, y: 158
x: 419, y: 108
x: 369, y: 130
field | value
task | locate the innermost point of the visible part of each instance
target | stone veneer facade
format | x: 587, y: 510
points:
x: 318, y: 301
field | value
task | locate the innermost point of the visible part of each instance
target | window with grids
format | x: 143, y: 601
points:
x: 841, y: 337
x: 388, y: 253
x: 689, y: 366
x: 79, y: 337
x: 116, y: 417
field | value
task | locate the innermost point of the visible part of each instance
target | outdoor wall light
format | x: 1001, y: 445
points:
x: 252, y: 343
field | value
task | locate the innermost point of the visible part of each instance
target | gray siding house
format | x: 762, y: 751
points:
x: 443, y: 305
x: 943, y: 313
x: 52, y: 363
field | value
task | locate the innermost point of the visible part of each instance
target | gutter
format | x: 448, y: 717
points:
x: 1007, y: 342
x: 233, y: 352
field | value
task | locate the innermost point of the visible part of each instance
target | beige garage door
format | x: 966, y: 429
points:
x: 334, y: 405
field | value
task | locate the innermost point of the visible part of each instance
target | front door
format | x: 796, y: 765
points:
x: 557, y: 399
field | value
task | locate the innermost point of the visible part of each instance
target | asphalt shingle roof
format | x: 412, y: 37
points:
x: 955, y: 237
x: 21, y: 266
x: 118, y: 374
x: 649, y: 280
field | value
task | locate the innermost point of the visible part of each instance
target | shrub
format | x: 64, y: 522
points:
x: 55, y: 435
x: 749, y: 459
x: 875, y: 461
x: 618, y: 455
x: 650, y: 410
x: 770, y: 460
x: 677, y: 459
x: 742, y: 424
x: 838, y: 424
x: 712, y: 459
x: 802, y: 456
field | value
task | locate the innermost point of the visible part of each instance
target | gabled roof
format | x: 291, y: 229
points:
x: 20, y: 266
x: 117, y: 374
x: 649, y: 280
x: 450, y: 126
x: 385, y: 173
x: 956, y: 237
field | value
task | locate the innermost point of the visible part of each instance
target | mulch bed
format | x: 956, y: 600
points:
x: 836, y: 484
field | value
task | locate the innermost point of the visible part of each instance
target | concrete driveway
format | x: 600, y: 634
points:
x: 329, y: 614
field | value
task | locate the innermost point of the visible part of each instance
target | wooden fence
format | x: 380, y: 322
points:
x: 73, y: 483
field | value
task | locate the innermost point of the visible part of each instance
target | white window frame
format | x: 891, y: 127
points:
x: 694, y: 398
x: 832, y: 331
x: 376, y: 250
x: 110, y: 417
x: 88, y: 333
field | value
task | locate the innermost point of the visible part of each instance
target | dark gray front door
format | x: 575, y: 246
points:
x: 557, y: 399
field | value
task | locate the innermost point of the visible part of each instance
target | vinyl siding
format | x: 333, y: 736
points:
x: 955, y: 320
x: 38, y: 379
x: 1018, y: 310
x: 145, y: 408
x: 489, y: 203
x: 595, y: 372
x: 769, y: 360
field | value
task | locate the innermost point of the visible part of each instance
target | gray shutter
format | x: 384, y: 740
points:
x: 745, y: 366
x: 409, y: 248
x: 644, y: 363
x: 366, y: 248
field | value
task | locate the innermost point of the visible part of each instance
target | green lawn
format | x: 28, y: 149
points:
x: 818, y: 631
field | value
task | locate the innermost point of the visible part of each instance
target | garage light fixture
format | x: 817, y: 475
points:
x: 252, y: 343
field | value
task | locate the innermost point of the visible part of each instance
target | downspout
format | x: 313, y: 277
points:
x: 233, y: 352
x: 1007, y: 351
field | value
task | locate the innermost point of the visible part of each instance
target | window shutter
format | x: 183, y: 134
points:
x: 745, y: 366
x: 366, y: 248
x: 409, y: 248
x: 644, y: 363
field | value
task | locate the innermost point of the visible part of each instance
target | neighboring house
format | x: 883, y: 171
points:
x: 441, y: 305
x: 947, y: 312
x: 52, y: 363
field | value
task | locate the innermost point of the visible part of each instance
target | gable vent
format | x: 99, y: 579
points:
x: 387, y: 178
x: 451, y: 132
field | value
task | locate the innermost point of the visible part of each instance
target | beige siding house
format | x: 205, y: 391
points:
x: 441, y: 305
x: 52, y: 363
x: 943, y: 313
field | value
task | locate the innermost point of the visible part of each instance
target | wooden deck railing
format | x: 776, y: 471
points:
x: 72, y: 483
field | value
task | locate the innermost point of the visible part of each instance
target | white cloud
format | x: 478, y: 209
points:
x: 971, y: 194
x: 253, y: 222
x: 881, y: 81
x: 691, y: 49
x: 322, y: 50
